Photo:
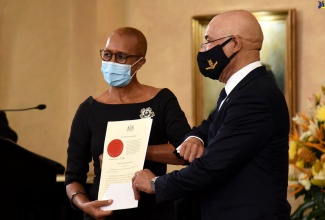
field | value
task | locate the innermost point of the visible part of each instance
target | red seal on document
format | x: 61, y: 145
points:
x: 115, y: 148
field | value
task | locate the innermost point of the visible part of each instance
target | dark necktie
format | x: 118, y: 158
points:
x: 222, y: 96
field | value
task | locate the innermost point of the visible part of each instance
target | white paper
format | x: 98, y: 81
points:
x: 120, y: 191
x: 124, y: 153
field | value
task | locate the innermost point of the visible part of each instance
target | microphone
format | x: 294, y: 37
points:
x: 40, y: 107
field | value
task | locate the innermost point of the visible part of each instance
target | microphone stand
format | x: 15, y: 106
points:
x: 40, y: 107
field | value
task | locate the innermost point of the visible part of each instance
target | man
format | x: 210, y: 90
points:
x: 242, y: 173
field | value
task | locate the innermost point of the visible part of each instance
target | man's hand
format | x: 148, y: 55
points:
x: 141, y: 182
x: 191, y: 148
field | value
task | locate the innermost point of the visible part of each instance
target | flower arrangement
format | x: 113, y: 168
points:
x: 307, y: 159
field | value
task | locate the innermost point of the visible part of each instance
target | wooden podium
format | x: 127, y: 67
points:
x: 28, y: 183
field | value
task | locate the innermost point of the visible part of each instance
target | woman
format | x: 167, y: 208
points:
x: 126, y: 99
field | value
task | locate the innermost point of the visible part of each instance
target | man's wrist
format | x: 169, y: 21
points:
x: 152, y: 184
x: 196, y: 138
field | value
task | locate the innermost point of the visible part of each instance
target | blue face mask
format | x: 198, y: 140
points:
x: 116, y: 74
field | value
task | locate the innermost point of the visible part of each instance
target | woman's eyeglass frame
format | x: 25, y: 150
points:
x: 121, y: 58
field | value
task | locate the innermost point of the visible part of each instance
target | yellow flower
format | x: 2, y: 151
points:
x: 300, y: 163
x: 316, y: 167
x: 292, y: 150
x: 320, y: 113
x: 318, y: 182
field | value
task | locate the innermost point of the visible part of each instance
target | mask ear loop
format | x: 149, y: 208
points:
x: 137, y: 61
x: 133, y: 65
x: 224, y: 44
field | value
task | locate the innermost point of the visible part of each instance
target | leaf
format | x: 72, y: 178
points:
x: 316, y: 214
x: 298, y: 214
x: 313, y: 206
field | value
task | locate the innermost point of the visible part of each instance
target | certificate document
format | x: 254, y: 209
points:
x: 124, y: 153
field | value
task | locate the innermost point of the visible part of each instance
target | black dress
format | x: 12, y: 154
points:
x: 87, y: 136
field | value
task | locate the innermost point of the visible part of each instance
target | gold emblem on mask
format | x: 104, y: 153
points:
x: 211, y: 65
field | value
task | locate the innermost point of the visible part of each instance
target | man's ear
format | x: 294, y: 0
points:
x: 237, y: 44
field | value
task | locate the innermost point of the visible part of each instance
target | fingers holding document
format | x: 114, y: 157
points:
x: 141, y: 181
x: 94, y: 208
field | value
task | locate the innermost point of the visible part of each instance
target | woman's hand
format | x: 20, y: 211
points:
x: 93, y: 208
x: 100, y: 161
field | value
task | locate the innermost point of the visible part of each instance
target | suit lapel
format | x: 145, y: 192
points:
x: 250, y: 76
x: 220, y: 115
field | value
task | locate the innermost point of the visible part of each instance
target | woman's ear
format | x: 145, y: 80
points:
x: 141, y: 62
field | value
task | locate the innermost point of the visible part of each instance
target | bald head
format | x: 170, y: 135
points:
x: 134, y: 35
x: 246, y: 42
x: 239, y: 23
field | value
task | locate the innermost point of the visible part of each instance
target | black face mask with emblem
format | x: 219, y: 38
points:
x: 212, y: 62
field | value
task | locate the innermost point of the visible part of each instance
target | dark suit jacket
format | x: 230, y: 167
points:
x: 243, y: 174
